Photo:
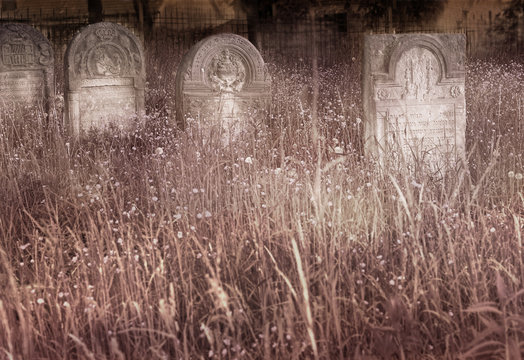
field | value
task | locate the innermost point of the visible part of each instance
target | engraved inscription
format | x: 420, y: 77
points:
x: 22, y: 86
x: 427, y: 129
x: 218, y: 81
x: 416, y: 107
x: 107, y: 82
x: 26, y: 67
x: 101, y: 106
x: 106, y: 79
x: 19, y: 53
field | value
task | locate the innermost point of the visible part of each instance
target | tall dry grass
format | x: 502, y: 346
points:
x: 159, y: 244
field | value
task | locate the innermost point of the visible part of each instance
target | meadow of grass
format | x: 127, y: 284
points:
x: 167, y: 245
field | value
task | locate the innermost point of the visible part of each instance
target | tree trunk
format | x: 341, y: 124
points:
x: 145, y: 19
x: 95, y: 10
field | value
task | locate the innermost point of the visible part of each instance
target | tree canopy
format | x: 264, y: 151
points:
x: 402, y: 10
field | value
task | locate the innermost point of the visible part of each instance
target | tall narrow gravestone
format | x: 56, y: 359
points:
x: 223, y: 85
x: 26, y: 67
x: 414, y: 103
x: 105, y: 78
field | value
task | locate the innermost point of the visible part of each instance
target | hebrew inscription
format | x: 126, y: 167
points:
x: 105, y: 79
x: 416, y: 111
x: 26, y: 67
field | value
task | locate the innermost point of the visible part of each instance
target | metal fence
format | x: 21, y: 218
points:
x: 337, y: 37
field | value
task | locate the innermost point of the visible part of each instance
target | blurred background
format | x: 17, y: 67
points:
x: 281, y: 27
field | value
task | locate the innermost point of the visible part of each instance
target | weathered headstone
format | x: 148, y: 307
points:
x: 105, y: 79
x: 413, y: 98
x: 222, y: 84
x: 26, y: 67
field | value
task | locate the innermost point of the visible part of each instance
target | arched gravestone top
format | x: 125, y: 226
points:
x: 413, y: 97
x: 221, y: 77
x: 26, y: 66
x: 105, y: 78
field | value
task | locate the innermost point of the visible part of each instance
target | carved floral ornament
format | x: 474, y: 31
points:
x: 417, y: 75
x: 455, y: 91
x: 105, y: 50
x: 383, y: 94
x: 106, y: 60
x: 226, y: 72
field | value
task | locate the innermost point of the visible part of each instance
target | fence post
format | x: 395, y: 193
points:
x: 520, y: 33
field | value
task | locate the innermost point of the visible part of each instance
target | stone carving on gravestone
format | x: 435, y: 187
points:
x: 413, y: 98
x: 222, y: 84
x: 105, y: 79
x: 26, y: 67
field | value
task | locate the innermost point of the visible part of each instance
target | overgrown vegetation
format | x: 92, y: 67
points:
x: 159, y: 244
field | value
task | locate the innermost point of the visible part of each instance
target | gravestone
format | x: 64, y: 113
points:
x: 26, y: 67
x: 413, y: 98
x: 223, y: 86
x: 104, y: 79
